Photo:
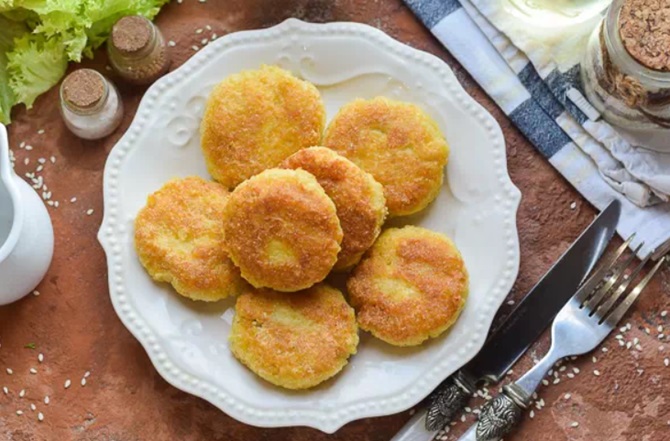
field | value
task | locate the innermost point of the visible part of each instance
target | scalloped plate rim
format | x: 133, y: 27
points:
x: 287, y: 417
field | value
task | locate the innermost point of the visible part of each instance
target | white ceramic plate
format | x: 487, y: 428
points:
x: 187, y: 341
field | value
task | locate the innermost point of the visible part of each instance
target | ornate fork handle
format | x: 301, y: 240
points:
x: 448, y: 400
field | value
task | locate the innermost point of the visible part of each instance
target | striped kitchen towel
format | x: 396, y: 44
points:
x: 546, y: 105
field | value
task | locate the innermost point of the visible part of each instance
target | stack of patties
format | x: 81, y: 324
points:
x: 297, y: 212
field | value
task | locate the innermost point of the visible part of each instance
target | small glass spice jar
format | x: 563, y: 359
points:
x: 90, y: 104
x: 626, y: 68
x: 137, y: 50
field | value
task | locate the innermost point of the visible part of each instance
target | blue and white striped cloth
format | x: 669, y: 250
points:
x: 556, y: 120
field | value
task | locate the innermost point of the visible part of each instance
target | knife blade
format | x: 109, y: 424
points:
x: 521, y: 328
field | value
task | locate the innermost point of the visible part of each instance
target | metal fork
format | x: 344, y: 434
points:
x: 583, y: 323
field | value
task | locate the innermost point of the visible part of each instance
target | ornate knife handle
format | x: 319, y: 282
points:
x: 501, y: 414
x: 448, y: 399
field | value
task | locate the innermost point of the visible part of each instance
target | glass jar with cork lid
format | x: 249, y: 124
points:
x: 626, y: 68
x: 137, y: 50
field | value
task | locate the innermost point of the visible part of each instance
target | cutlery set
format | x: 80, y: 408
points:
x: 584, y: 312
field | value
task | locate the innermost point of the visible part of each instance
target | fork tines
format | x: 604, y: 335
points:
x: 601, y: 293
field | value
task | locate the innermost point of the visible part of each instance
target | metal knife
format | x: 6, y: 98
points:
x: 521, y: 328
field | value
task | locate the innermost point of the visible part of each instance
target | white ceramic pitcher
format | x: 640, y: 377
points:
x: 26, y: 233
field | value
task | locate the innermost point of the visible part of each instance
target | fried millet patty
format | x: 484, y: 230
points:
x: 294, y: 340
x: 412, y: 285
x: 358, y: 198
x: 255, y: 119
x: 396, y: 142
x: 179, y: 239
x: 282, y: 230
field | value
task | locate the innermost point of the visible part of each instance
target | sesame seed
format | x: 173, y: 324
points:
x: 468, y: 409
x: 557, y: 380
x: 26, y: 161
x: 33, y: 371
x: 204, y: 41
x: 36, y: 293
x: 573, y: 205
x: 9, y: 371
x: 213, y: 37
x: 574, y: 424
x: 575, y: 370
x: 52, y: 159
x: 629, y: 326
x: 571, y: 375
x: 661, y: 336
x: 660, y: 348
x: 622, y: 329
x: 83, y: 382
x: 41, y: 160
x: 22, y: 145
x: 208, y: 27
x: 89, y: 212
x: 67, y: 383
x: 39, y: 168
x: 33, y: 407
x: 46, y: 400
x: 621, y: 343
x: 594, y: 359
x: 202, y: 1
x: 636, y: 340
x: 29, y: 147
x: 198, y: 31
x: 195, y: 48
x: 604, y: 349
x: 19, y: 412
x: 171, y: 43
x: 545, y: 382
x: 87, y: 374
x: 664, y: 313
x: 463, y: 418
x: 73, y: 200
x: 660, y: 328
x: 550, y: 373
x: 666, y: 362
x: 22, y: 393
x: 510, y: 302
x: 629, y: 345
x: 596, y: 373
x: 567, y: 396
x: 562, y: 369
x: 647, y: 331
x: 40, y: 132
x: 5, y: 390
x: 619, y: 337
x: 40, y: 417
x: 532, y: 414
x: 40, y: 357
x: 638, y: 347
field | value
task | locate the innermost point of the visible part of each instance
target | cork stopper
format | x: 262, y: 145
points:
x: 83, y: 88
x: 131, y: 34
x: 644, y: 27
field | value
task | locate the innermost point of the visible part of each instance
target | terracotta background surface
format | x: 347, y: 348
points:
x: 73, y: 324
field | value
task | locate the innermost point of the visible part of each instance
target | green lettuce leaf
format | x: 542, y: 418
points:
x: 9, y: 30
x: 39, y: 37
x: 35, y: 65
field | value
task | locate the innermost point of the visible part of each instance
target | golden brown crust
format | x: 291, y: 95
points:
x: 396, y: 142
x: 179, y: 239
x: 412, y: 285
x: 358, y: 198
x: 294, y: 340
x: 282, y: 230
x: 257, y: 118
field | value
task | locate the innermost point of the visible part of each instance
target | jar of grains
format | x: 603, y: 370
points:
x: 137, y: 50
x: 626, y: 68
x: 89, y: 104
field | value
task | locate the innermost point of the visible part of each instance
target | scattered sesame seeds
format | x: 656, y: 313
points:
x: 40, y: 417
x: 574, y: 424
x: 67, y: 383
x: 171, y: 43
x: 22, y: 393
x: 596, y: 372
x: 9, y: 371
x: 46, y: 400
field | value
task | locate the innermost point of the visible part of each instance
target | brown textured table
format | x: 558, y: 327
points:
x: 72, y: 322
